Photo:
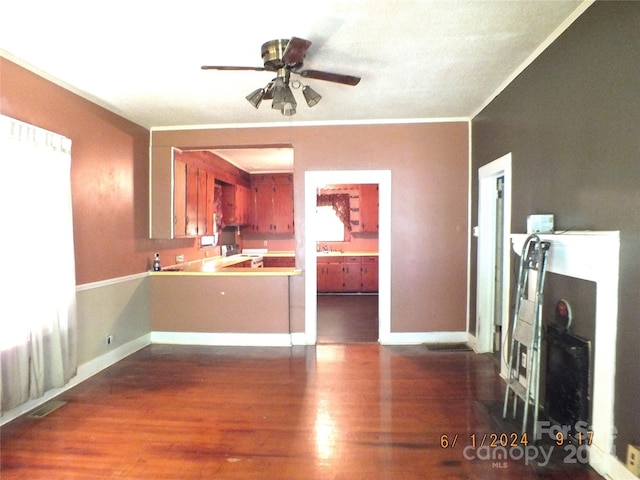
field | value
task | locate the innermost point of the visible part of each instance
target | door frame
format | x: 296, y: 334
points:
x: 316, y: 179
x: 486, y: 261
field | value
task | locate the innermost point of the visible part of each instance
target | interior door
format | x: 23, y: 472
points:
x: 498, y: 271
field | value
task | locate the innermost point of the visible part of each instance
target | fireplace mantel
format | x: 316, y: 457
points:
x: 594, y: 256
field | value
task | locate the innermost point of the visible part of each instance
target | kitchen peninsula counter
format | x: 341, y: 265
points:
x: 226, y: 266
x: 213, y: 301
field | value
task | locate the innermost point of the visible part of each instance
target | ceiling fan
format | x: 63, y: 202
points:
x: 285, y: 57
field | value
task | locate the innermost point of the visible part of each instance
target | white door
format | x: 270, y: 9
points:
x: 494, y: 228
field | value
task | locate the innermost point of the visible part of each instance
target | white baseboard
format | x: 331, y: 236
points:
x: 298, y: 338
x: 85, y: 371
x: 608, y: 465
x: 417, y: 338
x: 223, y: 339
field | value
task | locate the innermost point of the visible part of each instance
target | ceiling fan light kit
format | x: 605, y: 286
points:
x: 310, y: 95
x: 286, y: 57
x: 283, y: 98
x: 255, y: 97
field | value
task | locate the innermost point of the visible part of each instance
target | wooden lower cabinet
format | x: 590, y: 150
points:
x: 347, y: 274
x: 289, y: 262
x: 369, y: 274
x: 351, y: 275
x: 329, y: 274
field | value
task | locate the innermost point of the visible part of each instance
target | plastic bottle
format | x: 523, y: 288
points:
x: 156, y: 262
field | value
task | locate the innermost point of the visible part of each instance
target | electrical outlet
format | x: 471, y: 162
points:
x: 633, y: 459
x: 265, y: 243
x: 179, y: 258
x: 109, y: 339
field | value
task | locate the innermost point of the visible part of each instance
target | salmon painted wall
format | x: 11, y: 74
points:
x: 110, y: 188
x: 429, y: 168
x: 109, y: 175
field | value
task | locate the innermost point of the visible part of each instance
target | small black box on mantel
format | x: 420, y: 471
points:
x: 540, y: 223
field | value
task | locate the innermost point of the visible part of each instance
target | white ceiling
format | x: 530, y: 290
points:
x: 418, y: 59
x: 259, y: 159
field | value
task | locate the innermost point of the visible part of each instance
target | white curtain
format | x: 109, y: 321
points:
x: 38, y: 323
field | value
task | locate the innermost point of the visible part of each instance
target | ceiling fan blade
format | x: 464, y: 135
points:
x: 329, y: 77
x: 218, y: 67
x: 295, y: 51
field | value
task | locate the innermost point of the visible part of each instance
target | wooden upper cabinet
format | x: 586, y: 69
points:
x: 272, y: 203
x: 192, y: 202
x: 235, y: 204
x: 283, y: 206
x: 193, y: 185
x: 203, y: 194
x: 262, y: 195
x: 210, y: 202
x: 369, y: 207
x: 179, y: 199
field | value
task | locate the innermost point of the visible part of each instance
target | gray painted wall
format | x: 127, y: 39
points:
x: 119, y: 309
x: 572, y: 123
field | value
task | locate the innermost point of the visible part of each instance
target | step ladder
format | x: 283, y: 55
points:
x: 523, y: 371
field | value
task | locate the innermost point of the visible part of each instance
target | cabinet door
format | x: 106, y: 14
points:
x: 369, y: 208
x: 283, y: 207
x: 236, y: 202
x: 210, y: 207
x: 370, y: 274
x: 179, y: 199
x: 272, y: 203
x: 192, y: 202
x: 243, y: 200
x: 203, y: 195
x: 352, y: 277
x: 335, y: 282
x: 279, y: 262
x: 263, y: 204
x: 229, y: 205
x: 330, y: 275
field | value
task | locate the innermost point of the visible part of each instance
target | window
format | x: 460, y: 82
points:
x: 329, y: 227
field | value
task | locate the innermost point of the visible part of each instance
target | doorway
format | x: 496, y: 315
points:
x: 494, y: 243
x: 313, y: 181
x: 347, y: 258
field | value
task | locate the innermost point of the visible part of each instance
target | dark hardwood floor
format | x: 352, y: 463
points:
x: 347, y: 319
x: 360, y: 411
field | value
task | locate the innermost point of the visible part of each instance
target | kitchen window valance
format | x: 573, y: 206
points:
x: 340, y: 203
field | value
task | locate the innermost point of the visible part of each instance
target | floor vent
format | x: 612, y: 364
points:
x: 447, y: 347
x: 46, y: 409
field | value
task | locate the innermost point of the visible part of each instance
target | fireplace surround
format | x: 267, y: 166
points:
x: 594, y: 256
